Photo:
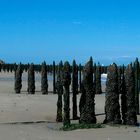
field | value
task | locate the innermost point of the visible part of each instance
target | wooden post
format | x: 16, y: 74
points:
x: 54, y: 89
x: 136, y: 74
x: 80, y: 77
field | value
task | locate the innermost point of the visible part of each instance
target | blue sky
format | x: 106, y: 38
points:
x: 38, y: 30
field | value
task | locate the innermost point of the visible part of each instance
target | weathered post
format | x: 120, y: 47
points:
x: 31, y: 79
x: 112, y: 107
x: 136, y: 75
x: 80, y: 69
x: 15, y: 68
x: 131, y: 117
x: 74, y: 88
x: 123, y: 95
x: 119, y: 79
x: 59, y: 88
x: 66, y: 84
x: 18, y: 79
x: 54, y: 89
x: 44, y: 80
x: 88, y: 110
x: 97, y: 74
x: 0, y: 67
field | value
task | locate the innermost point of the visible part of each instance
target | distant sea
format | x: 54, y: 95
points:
x: 11, y: 77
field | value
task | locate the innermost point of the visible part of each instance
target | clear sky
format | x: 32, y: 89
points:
x: 38, y: 30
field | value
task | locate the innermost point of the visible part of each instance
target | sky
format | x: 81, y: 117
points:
x: 38, y: 30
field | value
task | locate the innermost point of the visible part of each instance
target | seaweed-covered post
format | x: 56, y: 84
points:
x: 18, y: 79
x: 74, y: 88
x: 54, y: 89
x: 112, y: 107
x: 80, y: 77
x: 94, y: 79
x: 88, y: 109
x: 59, y: 88
x: 82, y: 101
x: 31, y: 79
x: 66, y: 84
x: 0, y: 67
x: 131, y: 117
x: 97, y: 74
x: 123, y: 94
x: 15, y: 68
x: 119, y: 79
x: 136, y: 75
x: 44, y: 80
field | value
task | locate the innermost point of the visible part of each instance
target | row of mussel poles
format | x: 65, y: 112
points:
x: 52, y: 70
x: 121, y: 82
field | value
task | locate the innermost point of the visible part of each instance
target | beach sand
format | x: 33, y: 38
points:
x: 19, y: 114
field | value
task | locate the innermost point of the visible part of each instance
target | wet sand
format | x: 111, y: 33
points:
x: 19, y: 111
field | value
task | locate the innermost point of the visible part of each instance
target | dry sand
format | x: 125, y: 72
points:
x: 16, y: 109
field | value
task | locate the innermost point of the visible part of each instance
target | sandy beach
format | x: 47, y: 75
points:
x: 31, y: 117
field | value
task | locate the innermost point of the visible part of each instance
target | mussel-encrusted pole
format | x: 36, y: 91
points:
x: 82, y: 101
x: 0, y: 67
x: 88, y: 110
x: 18, y: 79
x: 112, y: 107
x: 123, y: 95
x: 31, y: 79
x: 136, y: 75
x: 59, y: 88
x: 44, y: 80
x: 119, y: 79
x: 97, y: 74
x: 66, y: 84
x: 54, y: 88
x: 131, y: 117
x: 74, y: 88
x: 15, y: 68
x: 80, y: 76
